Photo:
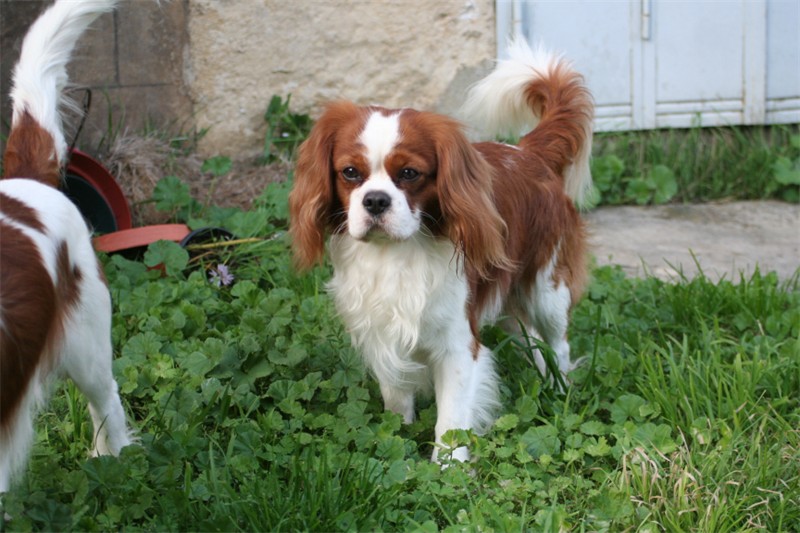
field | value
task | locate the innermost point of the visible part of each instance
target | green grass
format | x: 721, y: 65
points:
x: 255, y: 413
x: 697, y: 165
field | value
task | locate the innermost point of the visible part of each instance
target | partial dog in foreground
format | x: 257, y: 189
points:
x: 55, y: 308
x: 432, y: 236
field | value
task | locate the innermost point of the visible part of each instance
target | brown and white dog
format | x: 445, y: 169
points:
x: 55, y: 308
x: 432, y: 236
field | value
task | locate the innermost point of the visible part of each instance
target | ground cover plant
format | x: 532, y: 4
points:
x: 697, y: 164
x: 255, y: 414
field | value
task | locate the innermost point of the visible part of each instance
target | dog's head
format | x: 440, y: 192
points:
x: 389, y: 175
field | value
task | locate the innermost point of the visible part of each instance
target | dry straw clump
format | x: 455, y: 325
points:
x: 138, y: 162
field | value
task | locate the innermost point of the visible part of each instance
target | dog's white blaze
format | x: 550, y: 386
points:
x: 381, y: 134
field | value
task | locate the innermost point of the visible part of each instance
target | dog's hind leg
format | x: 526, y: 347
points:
x: 544, y: 313
x: 16, y: 437
x: 549, y: 313
x: 96, y: 382
x: 87, y: 361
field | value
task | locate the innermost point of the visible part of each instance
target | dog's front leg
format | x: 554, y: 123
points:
x: 453, y: 376
x: 398, y: 400
x: 466, y: 394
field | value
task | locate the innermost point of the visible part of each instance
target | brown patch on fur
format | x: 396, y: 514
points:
x: 476, y: 347
x: 34, y: 312
x: 464, y: 195
x: 20, y: 213
x: 29, y: 313
x: 69, y: 279
x: 566, y: 115
x: 540, y: 217
x: 418, y: 152
x: 30, y: 153
x: 529, y: 193
x: 571, y: 266
x: 101, y: 273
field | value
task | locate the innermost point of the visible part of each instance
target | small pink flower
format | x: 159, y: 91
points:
x: 221, y: 276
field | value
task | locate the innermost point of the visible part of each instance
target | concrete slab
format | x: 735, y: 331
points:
x: 725, y: 238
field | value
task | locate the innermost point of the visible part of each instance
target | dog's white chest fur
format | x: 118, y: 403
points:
x: 402, y: 302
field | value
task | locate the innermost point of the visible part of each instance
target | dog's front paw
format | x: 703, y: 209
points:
x: 444, y: 453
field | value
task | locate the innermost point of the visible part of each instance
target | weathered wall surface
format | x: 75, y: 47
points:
x: 132, y: 60
x: 216, y: 63
x: 416, y: 53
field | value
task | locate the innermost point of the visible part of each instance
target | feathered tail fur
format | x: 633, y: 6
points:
x: 36, y: 147
x: 539, y: 91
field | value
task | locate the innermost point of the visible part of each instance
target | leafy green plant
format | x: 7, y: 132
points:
x: 607, y: 173
x: 166, y: 255
x: 786, y: 173
x: 656, y: 186
x: 171, y: 195
x: 217, y: 165
x: 698, y: 164
x: 285, y: 130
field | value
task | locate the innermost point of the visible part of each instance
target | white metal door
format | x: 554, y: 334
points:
x: 652, y: 63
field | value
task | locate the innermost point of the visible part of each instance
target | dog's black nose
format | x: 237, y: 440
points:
x: 376, y: 202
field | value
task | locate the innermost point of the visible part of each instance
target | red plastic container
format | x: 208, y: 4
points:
x: 96, y: 193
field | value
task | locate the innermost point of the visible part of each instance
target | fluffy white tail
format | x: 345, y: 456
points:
x: 538, y: 90
x: 41, y: 74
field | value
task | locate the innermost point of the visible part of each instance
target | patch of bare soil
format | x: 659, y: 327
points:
x: 139, y: 162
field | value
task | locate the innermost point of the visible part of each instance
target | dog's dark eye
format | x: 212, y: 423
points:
x: 409, y: 174
x: 351, y: 174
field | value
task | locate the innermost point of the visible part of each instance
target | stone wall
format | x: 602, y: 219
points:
x: 415, y: 53
x: 215, y: 64
x: 132, y: 60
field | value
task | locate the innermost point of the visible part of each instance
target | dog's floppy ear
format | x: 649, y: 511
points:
x: 464, y: 181
x: 313, y: 202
